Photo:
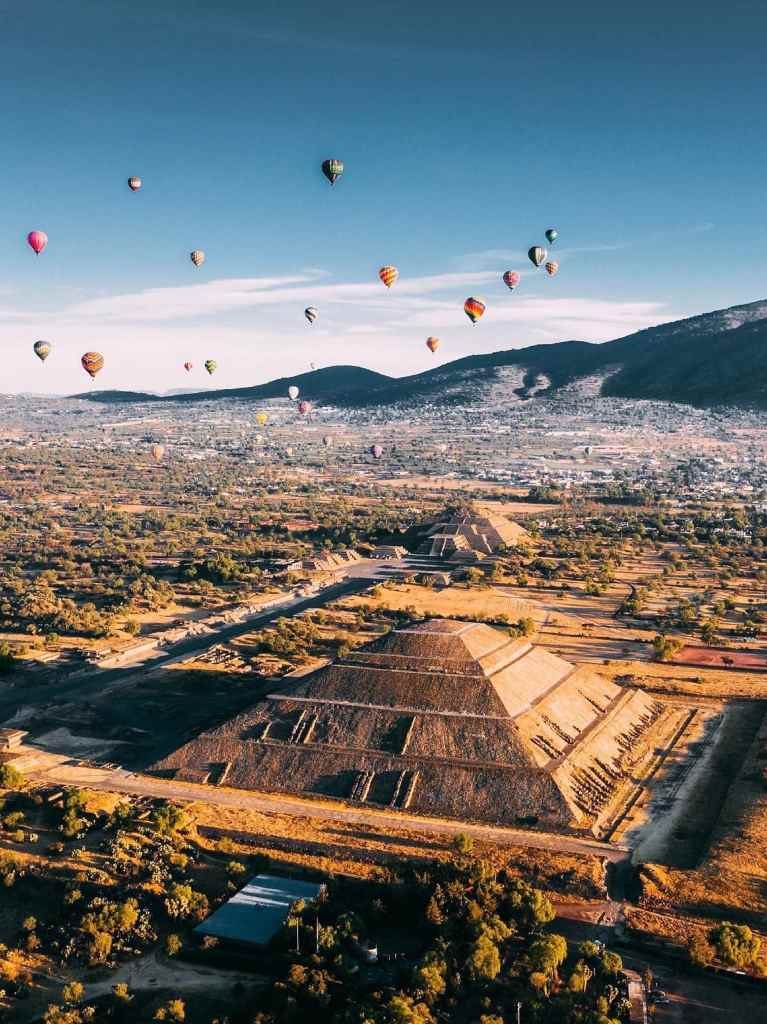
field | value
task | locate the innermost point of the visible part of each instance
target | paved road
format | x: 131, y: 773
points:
x: 94, y: 681
x: 60, y: 772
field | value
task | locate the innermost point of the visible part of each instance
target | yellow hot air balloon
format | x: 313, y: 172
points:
x: 261, y: 419
x: 388, y: 275
x: 473, y: 308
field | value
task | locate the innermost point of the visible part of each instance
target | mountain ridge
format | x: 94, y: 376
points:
x: 713, y: 358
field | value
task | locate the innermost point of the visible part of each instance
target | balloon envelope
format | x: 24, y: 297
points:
x: 388, y: 275
x: 134, y: 184
x: 304, y: 407
x: 92, y: 363
x: 158, y: 450
x: 511, y: 279
x: 311, y: 314
x: 332, y: 169
x: 197, y: 256
x: 552, y: 267
x: 261, y: 418
x: 376, y: 451
x: 432, y: 343
x: 537, y: 255
x: 551, y: 234
x: 473, y: 308
x: 42, y: 349
x: 37, y: 240
x: 210, y: 365
x: 188, y: 366
x: 292, y: 392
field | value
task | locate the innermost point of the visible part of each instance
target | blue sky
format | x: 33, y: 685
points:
x: 465, y: 131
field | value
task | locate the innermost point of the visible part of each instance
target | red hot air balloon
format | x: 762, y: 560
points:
x: 304, y: 407
x: 188, y: 366
x: 432, y: 344
x: 376, y: 451
x: 473, y: 308
x: 388, y: 275
x: 37, y: 240
x: 134, y: 183
x: 92, y: 363
x: 511, y: 279
x: 552, y: 267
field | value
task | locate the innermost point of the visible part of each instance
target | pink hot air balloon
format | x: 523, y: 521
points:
x: 376, y: 451
x: 304, y: 407
x: 188, y: 366
x: 37, y: 240
x: 511, y: 279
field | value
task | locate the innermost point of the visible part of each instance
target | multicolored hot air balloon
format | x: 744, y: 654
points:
x: 188, y: 366
x: 551, y: 235
x: 473, y: 308
x: 92, y: 363
x: 42, y: 350
x: 304, y: 407
x: 292, y: 392
x: 289, y: 452
x: 537, y: 255
x: 552, y: 267
x: 134, y: 183
x: 511, y: 279
x: 388, y: 275
x: 332, y: 169
x: 197, y: 256
x: 158, y: 450
x: 311, y: 314
x: 432, y: 344
x: 210, y: 365
x: 376, y: 451
x: 37, y: 240
x: 261, y: 419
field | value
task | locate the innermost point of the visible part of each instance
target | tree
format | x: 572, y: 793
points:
x: 463, y: 844
x: 73, y: 992
x: 184, y: 901
x: 174, y: 1010
x: 547, y: 953
x: 10, y: 777
x: 404, y: 1009
x: 173, y: 944
x: 735, y: 944
x: 121, y: 992
x: 484, y: 961
x: 168, y: 818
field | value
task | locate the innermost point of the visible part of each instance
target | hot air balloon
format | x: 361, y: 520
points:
x: 134, y: 184
x: 388, y: 275
x: 511, y: 279
x: 158, y: 450
x: 432, y: 344
x: 327, y: 440
x: 37, y: 240
x: 311, y: 314
x: 42, y: 350
x: 261, y: 419
x: 588, y: 450
x: 473, y: 308
x: 292, y: 392
x: 304, y: 407
x: 552, y: 267
x: 376, y: 451
x: 312, y: 366
x: 188, y: 366
x: 210, y: 366
x: 551, y: 235
x: 197, y: 256
x: 92, y: 363
x: 537, y: 255
x: 332, y: 169
x: 289, y: 452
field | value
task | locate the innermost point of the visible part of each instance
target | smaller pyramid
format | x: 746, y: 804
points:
x: 469, y: 535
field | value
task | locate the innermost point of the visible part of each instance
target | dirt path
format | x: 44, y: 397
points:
x: 153, y: 972
x: 49, y: 769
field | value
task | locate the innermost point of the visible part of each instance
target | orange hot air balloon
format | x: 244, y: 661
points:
x: 552, y: 267
x: 432, y: 344
x: 473, y: 308
x: 388, y: 275
x: 92, y: 363
x: 158, y: 450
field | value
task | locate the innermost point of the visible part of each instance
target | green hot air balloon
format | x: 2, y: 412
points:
x: 551, y: 235
x: 210, y: 365
x: 42, y: 350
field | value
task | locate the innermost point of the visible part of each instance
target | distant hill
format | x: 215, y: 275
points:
x: 713, y: 359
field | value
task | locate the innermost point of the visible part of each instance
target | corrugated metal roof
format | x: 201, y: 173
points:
x: 258, y: 910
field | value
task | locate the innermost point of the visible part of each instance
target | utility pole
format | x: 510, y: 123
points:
x: 316, y: 933
x: 298, y: 941
x: 519, y: 1012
